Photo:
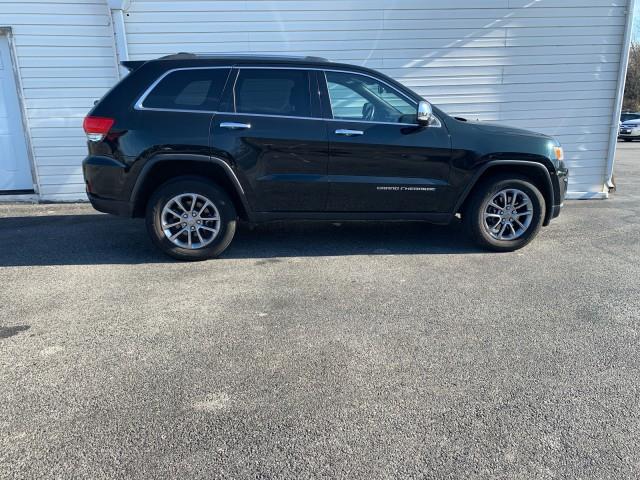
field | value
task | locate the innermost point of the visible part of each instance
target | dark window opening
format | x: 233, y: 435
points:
x: 195, y: 89
x: 273, y: 92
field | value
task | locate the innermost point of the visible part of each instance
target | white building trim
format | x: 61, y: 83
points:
x: 622, y: 77
x: 117, y: 8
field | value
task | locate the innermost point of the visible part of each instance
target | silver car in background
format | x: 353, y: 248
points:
x: 629, y: 130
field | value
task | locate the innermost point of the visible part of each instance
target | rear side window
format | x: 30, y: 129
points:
x: 273, y: 92
x: 196, y: 89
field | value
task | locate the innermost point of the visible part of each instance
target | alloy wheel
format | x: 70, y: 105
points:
x: 190, y: 220
x: 508, y: 214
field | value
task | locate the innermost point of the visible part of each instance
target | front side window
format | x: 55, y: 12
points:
x: 273, y: 92
x: 358, y: 97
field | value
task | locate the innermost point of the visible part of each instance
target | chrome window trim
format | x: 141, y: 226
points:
x: 369, y: 121
x: 178, y: 110
x: 267, y: 115
x: 216, y: 112
x: 139, y: 104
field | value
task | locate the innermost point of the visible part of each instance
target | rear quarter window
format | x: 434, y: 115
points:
x: 194, y: 89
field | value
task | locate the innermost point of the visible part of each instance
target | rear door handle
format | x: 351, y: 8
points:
x: 349, y: 133
x: 235, y: 125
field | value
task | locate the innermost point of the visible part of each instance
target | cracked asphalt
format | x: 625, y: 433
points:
x: 310, y: 350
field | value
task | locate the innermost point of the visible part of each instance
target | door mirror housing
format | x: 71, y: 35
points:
x: 425, y: 113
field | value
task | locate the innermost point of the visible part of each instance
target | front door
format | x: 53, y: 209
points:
x: 15, y: 171
x: 271, y: 126
x: 380, y: 159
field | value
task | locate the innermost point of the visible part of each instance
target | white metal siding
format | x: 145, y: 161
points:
x: 66, y: 61
x: 546, y: 65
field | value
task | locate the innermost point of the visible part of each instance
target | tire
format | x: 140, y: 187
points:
x: 207, y: 236
x: 529, y: 214
x: 628, y: 139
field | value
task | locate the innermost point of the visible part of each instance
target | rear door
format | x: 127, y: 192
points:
x: 179, y: 106
x: 271, y: 126
x: 380, y: 159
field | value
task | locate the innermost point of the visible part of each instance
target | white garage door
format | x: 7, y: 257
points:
x: 15, y: 172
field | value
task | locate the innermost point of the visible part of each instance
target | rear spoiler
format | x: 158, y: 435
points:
x: 132, y: 65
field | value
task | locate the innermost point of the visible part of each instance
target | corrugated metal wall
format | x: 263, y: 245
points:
x: 66, y: 61
x: 547, y: 65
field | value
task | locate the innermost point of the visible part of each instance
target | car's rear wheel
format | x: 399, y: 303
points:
x: 628, y: 139
x: 504, y: 213
x: 189, y: 218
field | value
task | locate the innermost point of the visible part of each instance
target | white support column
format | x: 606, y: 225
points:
x: 117, y: 8
x: 622, y: 76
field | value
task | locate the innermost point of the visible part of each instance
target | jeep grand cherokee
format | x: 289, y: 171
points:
x: 194, y: 142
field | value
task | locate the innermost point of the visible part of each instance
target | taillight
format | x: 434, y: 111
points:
x: 97, y: 128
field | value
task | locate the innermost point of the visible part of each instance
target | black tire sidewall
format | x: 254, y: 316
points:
x: 475, y: 217
x: 214, y: 193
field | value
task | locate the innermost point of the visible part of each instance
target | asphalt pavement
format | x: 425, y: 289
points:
x: 315, y: 350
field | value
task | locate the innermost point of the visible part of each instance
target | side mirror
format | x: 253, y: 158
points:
x: 425, y: 113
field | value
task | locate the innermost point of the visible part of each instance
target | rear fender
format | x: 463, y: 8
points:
x: 139, y: 186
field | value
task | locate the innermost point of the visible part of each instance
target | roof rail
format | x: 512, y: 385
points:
x: 179, y: 55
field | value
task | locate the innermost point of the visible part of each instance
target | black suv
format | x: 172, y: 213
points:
x: 192, y: 142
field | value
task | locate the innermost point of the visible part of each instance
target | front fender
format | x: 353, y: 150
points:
x: 549, y: 191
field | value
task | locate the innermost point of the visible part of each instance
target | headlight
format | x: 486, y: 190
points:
x: 557, y: 152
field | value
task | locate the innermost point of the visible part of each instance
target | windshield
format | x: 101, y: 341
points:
x: 629, y: 116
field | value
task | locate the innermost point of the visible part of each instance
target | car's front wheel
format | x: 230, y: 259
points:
x: 189, y: 218
x: 504, y: 213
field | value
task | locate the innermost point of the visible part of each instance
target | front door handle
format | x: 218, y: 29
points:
x: 235, y: 125
x: 349, y: 133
